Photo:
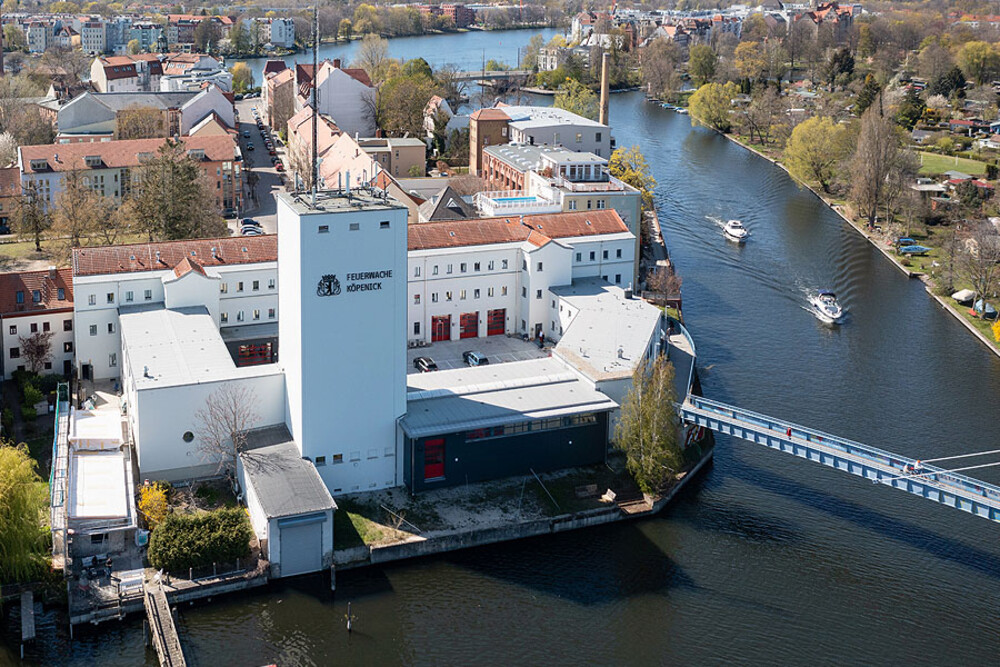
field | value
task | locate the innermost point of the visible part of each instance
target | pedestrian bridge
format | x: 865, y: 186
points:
x: 881, y: 467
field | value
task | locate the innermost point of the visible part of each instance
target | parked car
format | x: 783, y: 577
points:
x: 251, y: 231
x: 250, y: 222
x: 473, y: 358
x: 249, y: 147
x: 229, y: 213
x: 279, y: 167
x: 246, y: 134
x: 424, y: 364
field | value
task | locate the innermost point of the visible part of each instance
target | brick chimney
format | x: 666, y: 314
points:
x: 336, y: 63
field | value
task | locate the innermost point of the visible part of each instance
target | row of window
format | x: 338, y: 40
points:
x: 241, y: 316
x: 604, y: 255
x: 463, y: 267
x: 531, y: 426
x: 462, y: 294
x: 93, y: 328
x: 148, y: 294
x: 67, y: 326
x: 601, y: 204
x: 36, y: 295
x: 355, y: 456
x: 254, y: 286
x: 15, y: 352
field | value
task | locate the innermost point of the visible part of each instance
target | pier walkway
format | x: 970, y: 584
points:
x: 881, y: 467
x: 163, y: 632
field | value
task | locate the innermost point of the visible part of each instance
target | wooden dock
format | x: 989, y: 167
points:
x: 163, y: 631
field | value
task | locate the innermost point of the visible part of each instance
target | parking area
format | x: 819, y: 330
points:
x: 260, y: 188
x: 498, y: 349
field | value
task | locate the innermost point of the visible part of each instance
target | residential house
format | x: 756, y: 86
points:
x: 278, y: 95
x: 399, y: 156
x: 487, y: 127
x: 345, y: 94
x: 36, y: 302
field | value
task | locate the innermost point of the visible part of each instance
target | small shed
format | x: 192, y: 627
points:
x: 290, y: 508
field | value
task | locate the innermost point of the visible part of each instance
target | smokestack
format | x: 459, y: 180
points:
x: 604, y: 89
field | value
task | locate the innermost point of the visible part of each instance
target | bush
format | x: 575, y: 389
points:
x: 28, y: 413
x: 7, y: 420
x: 183, y: 541
x: 47, y: 383
x: 33, y: 395
x: 153, y: 505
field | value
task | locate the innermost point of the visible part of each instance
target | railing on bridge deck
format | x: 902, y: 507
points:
x: 880, y: 466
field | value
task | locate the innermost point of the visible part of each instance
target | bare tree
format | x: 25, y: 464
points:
x: 664, y: 284
x: 8, y: 149
x: 980, y: 262
x: 879, y: 153
x: 138, y: 122
x: 36, y: 349
x: 373, y: 57
x: 762, y: 114
x: 229, y: 413
x: 30, y: 217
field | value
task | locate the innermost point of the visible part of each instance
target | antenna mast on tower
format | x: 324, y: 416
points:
x: 314, y: 165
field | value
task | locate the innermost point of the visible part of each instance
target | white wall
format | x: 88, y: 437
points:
x: 343, y: 98
x: 211, y: 99
x: 22, y: 325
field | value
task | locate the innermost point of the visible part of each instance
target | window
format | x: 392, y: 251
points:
x: 356, y: 455
x: 475, y: 294
x: 111, y: 297
x: 111, y: 327
x: 113, y: 359
x: 503, y: 291
x: 67, y: 325
x: 538, y: 294
x: 13, y: 330
x: 592, y: 255
x: 338, y: 458
x: 600, y: 203
x: 373, y: 453
x: 148, y: 295
x: 256, y: 313
x: 416, y: 272
x: 239, y: 286
x: 128, y: 297
x: 323, y: 229
x: 489, y: 292
x: 15, y: 353
x: 597, y: 137
x: 320, y: 461
x: 447, y: 296
x: 572, y: 204
x: 223, y: 288
x: 579, y: 137
x: 239, y: 316
x: 270, y: 283
x: 589, y: 204
x: 223, y: 317
x: 524, y: 292
x: 256, y: 286
x: 36, y: 296
x: 68, y: 347
x: 434, y: 297
x: 270, y: 313
x: 463, y: 267
x: 604, y: 255
x: 354, y: 226
x: 448, y: 270
x: 416, y: 299
x: 61, y: 294
x: 618, y: 278
x: 434, y: 271
x: 604, y: 278
x: 475, y: 267
x: 45, y: 326
x: 20, y: 297
x: 91, y: 300
x: 490, y: 265
x: 539, y: 266
x: 618, y: 253
x: 385, y: 223
x: 503, y: 263
x: 416, y: 328
x: 461, y: 295
x: 524, y: 265
x: 93, y: 329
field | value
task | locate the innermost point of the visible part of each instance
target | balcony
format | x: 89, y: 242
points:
x: 610, y: 184
x: 513, y: 202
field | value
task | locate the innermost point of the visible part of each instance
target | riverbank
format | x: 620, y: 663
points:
x: 978, y: 327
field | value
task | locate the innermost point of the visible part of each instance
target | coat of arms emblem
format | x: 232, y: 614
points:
x: 328, y: 286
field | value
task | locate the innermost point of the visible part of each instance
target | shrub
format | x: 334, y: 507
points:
x: 7, y: 420
x: 33, y: 395
x: 47, y: 383
x: 28, y: 413
x: 193, y: 540
x: 153, y: 505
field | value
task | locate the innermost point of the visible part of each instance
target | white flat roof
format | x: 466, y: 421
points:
x: 96, y: 429
x: 97, y: 488
x: 606, y: 323
x: 527, y: 117
x: 177, y: 347
x: 472, y: 398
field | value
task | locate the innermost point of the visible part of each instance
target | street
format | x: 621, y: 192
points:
x: 260, y: 205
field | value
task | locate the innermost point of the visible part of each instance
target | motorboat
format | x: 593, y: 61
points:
x: 964, y: 296
x: 914, y: 250
x: 826, y: 307
x: 681, y: 110
x: 735, y: 230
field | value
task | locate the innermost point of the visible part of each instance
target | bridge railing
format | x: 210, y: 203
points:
x: 931, y: 473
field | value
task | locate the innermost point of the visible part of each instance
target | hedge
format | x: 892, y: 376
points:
x: 183, y: 541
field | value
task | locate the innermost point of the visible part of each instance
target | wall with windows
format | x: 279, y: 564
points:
x: 16, y: 326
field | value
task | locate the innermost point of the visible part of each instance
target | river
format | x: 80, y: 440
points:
x: 767, y: 559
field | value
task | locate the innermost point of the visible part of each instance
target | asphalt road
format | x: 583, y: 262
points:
x: 260, y: 207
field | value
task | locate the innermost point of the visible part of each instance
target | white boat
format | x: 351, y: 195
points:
x: 826, y: 307
x: 681, y: 110
x: 735, y: 230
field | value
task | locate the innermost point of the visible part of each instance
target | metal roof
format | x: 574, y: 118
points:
x: 472, y: 398
x: 284, y: 482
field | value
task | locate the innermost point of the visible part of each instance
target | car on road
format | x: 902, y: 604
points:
x: 278, y: 166
x: 246, y: 134
x: 473, y: 358
x: 249, y: 147
x: 424, y: 364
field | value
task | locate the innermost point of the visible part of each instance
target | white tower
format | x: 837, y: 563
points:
x: 342, y: 333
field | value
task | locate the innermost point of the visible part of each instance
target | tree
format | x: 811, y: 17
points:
x: 346, y: 29
x: 373, y: 56
x: 576, y: 98
x: 711, y: 105
x: 878, y: 154
x: 138, y: 122
x: 910, y: 110
x: 239, y: 39
x: 980, y: 262
x: 841, y: 64
x: 660, y: 68
x: 23, y: 510
x: 172, y: 199
x: 951, y: 81
x: 868, y: 94
x: 935, y: 61
x: 764, y: 112
x: 750, y: 60
x: 78, y: 210
x: 13, y: 38
x: 530, y: 58
x: 664, y: 284
x: 153, y: 504
x: 206, y: 33
x: 36, y: 349
x: 701, y: 63
x: 30, y: 217
x: 814, y: 149
x: 242, y: 77
x: 134, y: 47
x: 401, y: 102
x: 629, y: 166
x: 8, y: 149
x: 647, y: 427
x: 366, y: 20
x: 979, y: 61
x: 229, y: 413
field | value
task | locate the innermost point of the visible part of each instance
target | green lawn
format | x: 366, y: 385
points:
x: 932, y: 163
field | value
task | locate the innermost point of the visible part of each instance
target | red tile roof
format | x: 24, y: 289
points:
x: 143, y: 256
x: 117, y: 154
x: 489, y: 114
x: 187, y: 265
x: 484, y: 231
x: 26, y: 282
x: 10, y: 181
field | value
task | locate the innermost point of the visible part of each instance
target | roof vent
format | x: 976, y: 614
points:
x: 158, y: 256
x: 451, y: 233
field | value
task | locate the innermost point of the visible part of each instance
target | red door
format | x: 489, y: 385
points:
x: 440, y: 328
x: 469, y: 325
x: 496, y: 322
x: 434, y: 459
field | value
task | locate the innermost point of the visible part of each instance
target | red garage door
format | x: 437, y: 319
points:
x: 440, y: 327
x: 469, y: 325
x: 434, y: 459
x: 496, y: 322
